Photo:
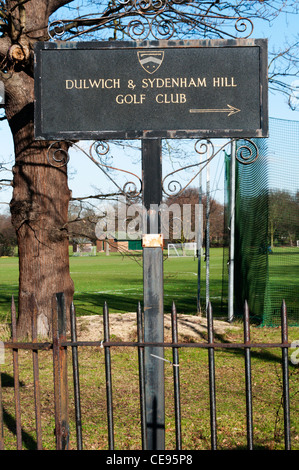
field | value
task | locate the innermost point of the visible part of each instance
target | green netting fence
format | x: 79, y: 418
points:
x: 267, y: 226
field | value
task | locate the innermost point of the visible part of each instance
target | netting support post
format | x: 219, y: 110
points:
x: 199, y: 240
x: 208, y: 196
x: 232, y: 193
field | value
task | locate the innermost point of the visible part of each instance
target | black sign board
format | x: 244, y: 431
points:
x: 151, y: 89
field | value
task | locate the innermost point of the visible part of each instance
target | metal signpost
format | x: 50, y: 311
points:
x: 153, y: 293
x: 151, y: 90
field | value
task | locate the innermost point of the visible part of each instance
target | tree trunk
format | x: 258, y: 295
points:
x: 39, y: 210
x: 39, y: 206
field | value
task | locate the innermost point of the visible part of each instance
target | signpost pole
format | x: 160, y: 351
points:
x: 153, y: 296
x: 199, y: 239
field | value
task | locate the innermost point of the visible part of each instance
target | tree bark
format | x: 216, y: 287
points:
x: 39, y: 206
x: 39, y: 209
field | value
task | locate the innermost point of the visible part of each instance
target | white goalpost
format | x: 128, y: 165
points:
x: 182, y: 250
x: 86, y: 251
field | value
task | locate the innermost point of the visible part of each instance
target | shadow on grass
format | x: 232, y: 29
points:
x: 265, y: 354
x: 92, y: 303
x: 183, y: 293
x: 6, y: 294
x: 28, y: 442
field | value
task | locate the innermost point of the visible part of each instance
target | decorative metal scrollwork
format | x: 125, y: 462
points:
x: 57, y: 155
x: 246, y: 153
x: 153, y: 19
x: 242, y: 24
x: 174, y: 188
x: 100, y: 149
x: 56, y: 29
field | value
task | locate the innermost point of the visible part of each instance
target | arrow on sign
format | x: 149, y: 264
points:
x: 230, y: 110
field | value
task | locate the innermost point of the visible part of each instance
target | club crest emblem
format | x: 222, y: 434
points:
x: 150, y: 61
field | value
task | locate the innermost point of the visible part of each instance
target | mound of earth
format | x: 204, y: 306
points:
x: 123, y: 327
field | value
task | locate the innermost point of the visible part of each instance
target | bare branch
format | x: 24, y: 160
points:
x: 283, y: 66
x: 18, y: 4
x: 54, y: 5
x: 97, y: 196
x: 6, y: 182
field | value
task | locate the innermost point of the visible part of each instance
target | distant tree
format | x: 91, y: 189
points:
x: 283, y: 217
x: 82, y: 222
x: 8, y: 239
x: 190, y: 197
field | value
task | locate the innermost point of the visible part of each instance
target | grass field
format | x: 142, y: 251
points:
x: 194, y: 381
x: 118, y: 280
x: 284, y: 281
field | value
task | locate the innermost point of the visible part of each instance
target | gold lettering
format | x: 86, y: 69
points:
x: 224, y: 82
x: 130, y: 99
x: 183, y: 98
x: 177, y: 82
x: 85, y: 83
x: 202, y: 82
x: 69, y: 84
x: 94, y: 83
x: 183, y: 82
x: 173, y: 98
x: 158, y: 99
x: 192, y: 83
x: 79, y: 87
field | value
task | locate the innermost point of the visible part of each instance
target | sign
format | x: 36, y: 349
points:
x: 151, y: 89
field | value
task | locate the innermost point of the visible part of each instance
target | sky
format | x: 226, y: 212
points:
x: 85, y: 177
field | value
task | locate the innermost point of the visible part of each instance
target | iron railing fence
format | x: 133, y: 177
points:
x: 59, y: 346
